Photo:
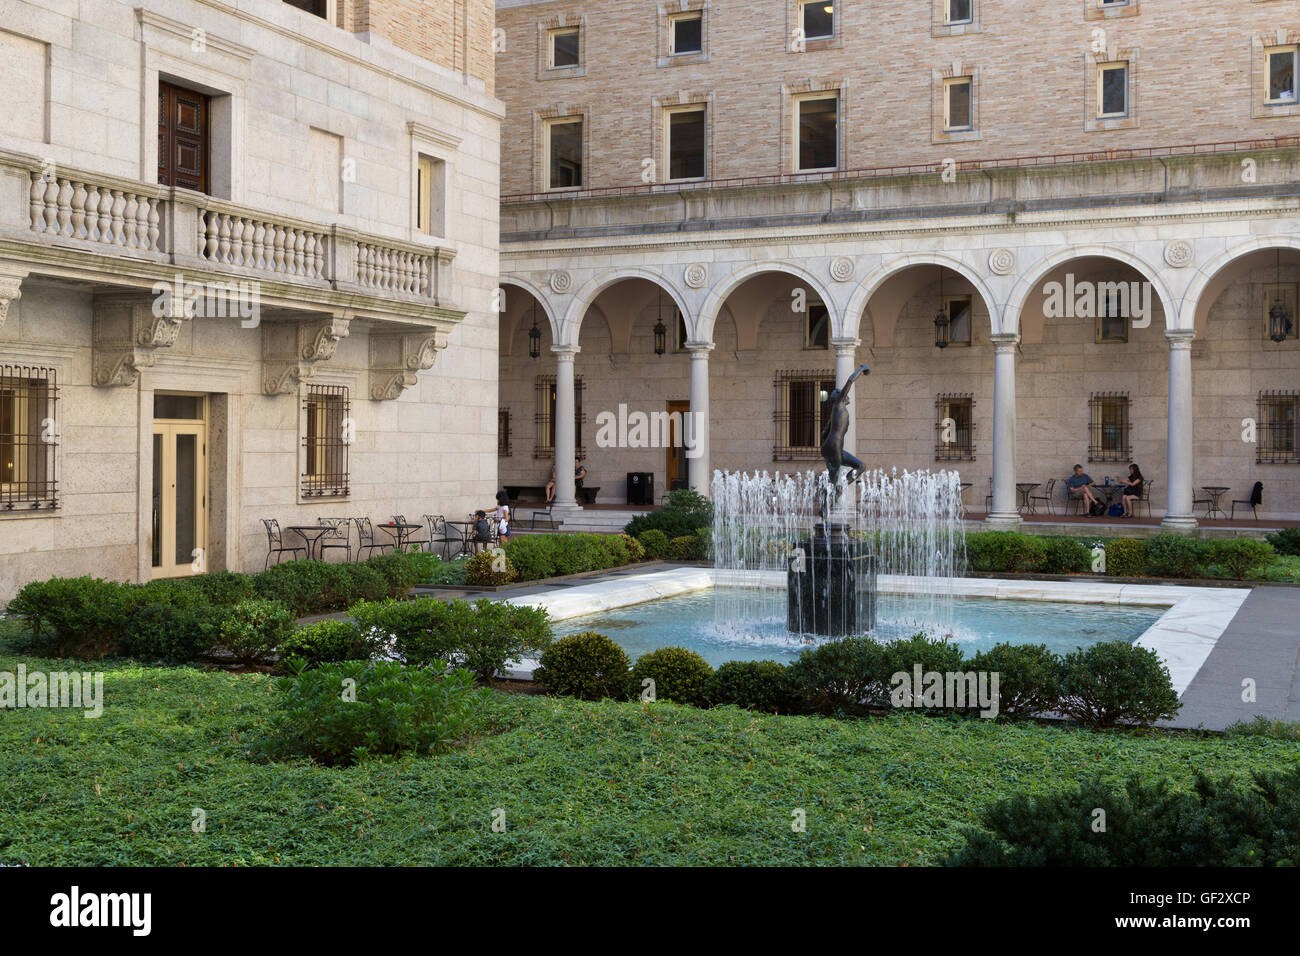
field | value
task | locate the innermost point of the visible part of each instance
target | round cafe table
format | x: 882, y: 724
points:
x: 311, y: 535
x: 1215, y: 492
x: 1024, y: 488
x: 400, y: 532
x: 462, y: 528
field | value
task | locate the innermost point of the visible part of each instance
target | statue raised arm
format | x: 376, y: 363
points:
x: 836, y: 426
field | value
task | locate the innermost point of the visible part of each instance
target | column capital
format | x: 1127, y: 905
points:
x: 1005, y: 341
x: 702, y: 349
x: 565, y: 353
x: 1180, y: 338
x: 848, y: 342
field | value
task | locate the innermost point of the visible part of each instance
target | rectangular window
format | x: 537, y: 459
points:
x: 431, y: 191
x: 1109, y: 429
x: 184, y: 118
x: 327, y: 433
x: 1112, y: 314
x: 958, y: 308
x: 686, y: 144
x: 564, y: 152
x: 318, y: 8
x: 818, y: 17
x: 817, y: 125
x: 544, y: 417
x: 1279, y: 429
x: 1112, y: 89
x: 799, y: 413
x: 957, y: 103
x: 686, y: 34
x: 503, y: 433
x: 1281, y: 75
x: 955, y: 428
x: 28, y: 438
x: 817, y: 325
x: 958, y: 11
x: 564, y: 48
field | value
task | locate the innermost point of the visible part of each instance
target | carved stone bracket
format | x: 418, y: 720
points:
x: 128, y: 330
x: 396, y: 358
x: 291, y: 350
x: 10, y: 291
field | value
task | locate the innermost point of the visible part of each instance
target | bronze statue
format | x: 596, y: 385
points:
x: 834, y: 429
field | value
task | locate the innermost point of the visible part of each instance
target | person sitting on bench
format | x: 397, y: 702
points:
x: 579, y: 474
x: 1080, y: 486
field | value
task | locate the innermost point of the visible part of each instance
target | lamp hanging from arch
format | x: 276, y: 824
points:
x: 534, y: 336
x: 1280, y: 319
x: 661, y: 331
x: 942, y: 323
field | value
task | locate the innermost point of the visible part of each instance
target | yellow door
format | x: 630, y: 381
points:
x: 180, y: 496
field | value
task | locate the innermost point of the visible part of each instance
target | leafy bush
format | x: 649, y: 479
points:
x: 401, y: 569
x: 685, y: 548
x: 655, y: 543
x: 1064, y: 556
x: 540, y: 556
x: 685, y: 513
x: 1172, y: 556
x: 346, y: 584
x: 480, y: 570
x: 753, y: 685
x: 1126, y: 557
x: 635, y: 551
x: 171, y: 624
x: 998, y: 551
x: 903, y: 655
x: 325, y: 642
x: 1218, y: 823
x: 1263, y: 727
x: 298, y: 585
x: 678, y: 675
x: 223, y: 588
x: 587, y: 665
x: 252, y: 629
x: 1235, y: 558
x: 443, y: 572
x: 1114, y: 681
x: 76, y: 617
x: 847, y: 677
x: 497, y: 633
x: 1027, y: 677
x: 1286, y: 541
x: 389, y: 709
x: 533, y: 555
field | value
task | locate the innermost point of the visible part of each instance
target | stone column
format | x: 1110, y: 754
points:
x: 846, y: 362
x: 1005, y: 513
x: 1178, y: 456
x: 698, y: 427
x: 566, y: 442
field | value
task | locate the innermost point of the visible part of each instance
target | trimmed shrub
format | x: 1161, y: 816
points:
x: 635, y: 550
x: 654, y: 542
x: 678, y: 674
x: 1286, y: 541
x: 171, y: 624
x: 324, y: 642
x: 496, y: 633
x: 396, y: 710
x: 753, y: 685
x: 1234, y: 557
x: 1115, y: 681
x: 997, y: 551
x: 1220, y: 822
x: 533, y: 555
x: 481, y: 570
x: 1027, y: 677
x: 1064, y: 556
x: 298, y: 585
x: 223, y: 588
x: 252, y: 629
x: 75, y: 617
x: 685, y: 513
x: 401, y: 569
x: 903, y: 655
x: 1126, y: 557
x: 847, y: 677
x: 587, y: 665
x: 685, y: 548
x: 1172, y: 556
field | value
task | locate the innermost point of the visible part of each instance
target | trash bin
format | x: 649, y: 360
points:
x: 640, y: 487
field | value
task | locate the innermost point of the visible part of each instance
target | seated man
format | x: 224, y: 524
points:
x: 1080, y: 486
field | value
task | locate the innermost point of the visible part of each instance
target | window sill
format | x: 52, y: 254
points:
x: 956, y: 29
x: 1100, y: 124
x: 682, y: 59
x: 817, y: 44
x: 562, y: 72
x: 1110, y: 12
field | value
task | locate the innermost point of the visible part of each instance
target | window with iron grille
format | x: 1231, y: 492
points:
x: 327, y: 433
x: 28, y: 438
x: 955, y: 428
x: 798, y: 413
x: 1109, y: 431
x: 544, y: 399
x: 1279, y: 429
x: 503, y: 433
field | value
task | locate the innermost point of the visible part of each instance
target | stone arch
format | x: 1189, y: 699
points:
x: 1205, y: 280
x: 887, y: 270
x: 536, y: 292
x: 702, y: 330
x: 585, y: 297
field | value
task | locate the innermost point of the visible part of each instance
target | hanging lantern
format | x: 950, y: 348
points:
x: 661, y: 331
x: 942, y: 324
x: 534, y: 336
x: 1280, y: 320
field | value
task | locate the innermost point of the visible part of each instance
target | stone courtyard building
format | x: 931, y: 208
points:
x: 1058, y: 232
x: 248, y: 250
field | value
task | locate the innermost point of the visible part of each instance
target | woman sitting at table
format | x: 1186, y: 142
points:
x: 1133, y: 493
x: 503, y: 516
x: 550, y: 486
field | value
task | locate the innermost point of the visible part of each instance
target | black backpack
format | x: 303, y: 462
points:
x: 1097, y: 509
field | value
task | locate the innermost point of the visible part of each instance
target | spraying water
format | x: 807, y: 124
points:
x: 883, y: 547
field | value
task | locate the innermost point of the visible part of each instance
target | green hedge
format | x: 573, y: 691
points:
x: 588, y: 666
x: 1165, y: 555
x: 685, y: 513
x: 538, y: 556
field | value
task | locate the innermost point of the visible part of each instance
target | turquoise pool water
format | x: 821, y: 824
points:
x: 689, y: 621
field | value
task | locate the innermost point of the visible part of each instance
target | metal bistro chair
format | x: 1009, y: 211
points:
x: 412, y: 542
x: 440, y: 534
x: 275, y: 542
x: 1046, y: 496
x: 339, y: 535
x: 1145, y: 500
x: 366, y: 538
x: 1207, y: 501
x: 1253, y: 502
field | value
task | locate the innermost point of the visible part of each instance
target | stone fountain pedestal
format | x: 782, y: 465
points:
x: 831, y: 584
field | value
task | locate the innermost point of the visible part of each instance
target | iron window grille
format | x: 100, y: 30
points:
x: 544, y: 401
x: 954, y: 428
x: 798, y: 413
x: 1109, y: 430
x: 503, y: 433
x: 1279, y: 429
x: 28, y: 438
x: 326, y: 437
